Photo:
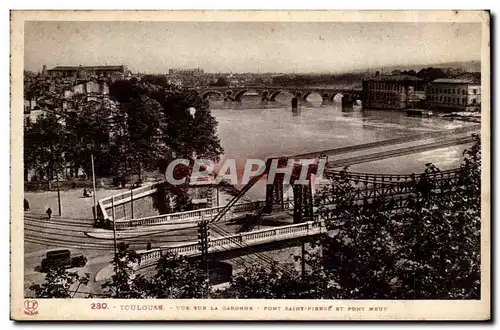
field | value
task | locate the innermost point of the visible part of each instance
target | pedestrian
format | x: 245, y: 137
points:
x: 85, y: 192
x: 49, y: 212
x: 148, y: 247
x: 26, y: 205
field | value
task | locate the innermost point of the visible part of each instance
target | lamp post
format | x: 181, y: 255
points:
x: 59, y: 199
x: 93, y: 184
x: 192, y: 111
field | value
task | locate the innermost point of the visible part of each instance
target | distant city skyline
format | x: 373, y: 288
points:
x: 156, y: 47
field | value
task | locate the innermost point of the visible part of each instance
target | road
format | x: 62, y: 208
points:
x: 43, y: 235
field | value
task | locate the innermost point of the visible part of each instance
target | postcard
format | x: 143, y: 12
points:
x: 250, y: 165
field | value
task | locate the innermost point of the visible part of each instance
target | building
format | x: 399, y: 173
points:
x: 91, y: 88
x: 393, y: 92
x: 31, y: 111
x: 454, y: 95
x: 85, y: 71
x: 185, y: 72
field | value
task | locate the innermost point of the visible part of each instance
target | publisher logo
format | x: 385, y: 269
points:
x: 30, y: 307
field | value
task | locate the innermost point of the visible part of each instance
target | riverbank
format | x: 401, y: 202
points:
x: 473, y: 117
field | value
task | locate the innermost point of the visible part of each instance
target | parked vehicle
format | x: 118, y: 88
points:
x: 63, y: 259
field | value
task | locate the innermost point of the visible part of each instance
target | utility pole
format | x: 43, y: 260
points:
x: 93, y: 184
x: 114, y: 224
x: 203, y: 239
x: 303, y: 261
x: 114, y: 239
x: 131, y: 202
x: 59, y: 199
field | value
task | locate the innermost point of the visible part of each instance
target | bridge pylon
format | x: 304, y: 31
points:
x: 303, y: 203
x: 274, y: 196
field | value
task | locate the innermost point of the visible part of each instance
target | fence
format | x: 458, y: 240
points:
x: 234, y: 241
x: 186, y: 216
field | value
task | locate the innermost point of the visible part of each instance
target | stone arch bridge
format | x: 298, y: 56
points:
x: 269, y: 93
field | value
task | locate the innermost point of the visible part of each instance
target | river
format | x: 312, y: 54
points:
x: 251, y: 129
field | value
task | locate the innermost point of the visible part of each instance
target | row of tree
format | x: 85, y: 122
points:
x: 427, y: 250
x: 144, y: 125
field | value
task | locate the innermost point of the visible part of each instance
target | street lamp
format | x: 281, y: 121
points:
x: 192, y: 111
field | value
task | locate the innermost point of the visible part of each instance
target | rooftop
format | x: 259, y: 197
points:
x: 452, y: 81
x: 99, y: 67
x: 396, y: 77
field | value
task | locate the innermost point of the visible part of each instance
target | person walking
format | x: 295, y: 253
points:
x: 49, y: 212
x: 26, y: 205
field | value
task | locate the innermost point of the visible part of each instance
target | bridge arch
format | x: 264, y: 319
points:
x: 309, y: 93
x: 239, y: 94
x: 273, y: 94
x: 337, y: 97
x: 208, y: 93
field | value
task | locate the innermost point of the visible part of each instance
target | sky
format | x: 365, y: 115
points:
x: 155, y: 47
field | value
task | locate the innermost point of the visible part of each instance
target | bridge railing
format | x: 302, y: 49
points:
x: 125, y: 197
x: 183, y: 217
x: 389, y: 178
x: 232, y: 241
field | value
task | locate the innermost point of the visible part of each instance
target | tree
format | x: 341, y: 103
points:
x: 161, y: 125
x: 178, y: 278
x: 409, y: 72
x: 44, y: 145
x: 146, y: 125
x: 221, y: 82
x: 430, y: 74
x: 427, y: 250
x: 189, y: 136
x: 175, y: 278
x: 58, y: 283
x: 125, y: 282
x: 97, y: 129
x: 259, y: 282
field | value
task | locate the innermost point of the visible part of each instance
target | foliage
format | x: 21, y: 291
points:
x: 90, y: 132
x: 178, y: 278
x: 260, y: 282
x: 58, y: 282
x: 428, y: 250
x: 430, y: 74
x: 143, y: 124
x: 44, y: 145
x: 175, y: 278
x: 125, y: 283
x: 161, y: 118
x: 181, y: 198
x: 409, y: 72
x: 186, y: 135
x: 221, y: 81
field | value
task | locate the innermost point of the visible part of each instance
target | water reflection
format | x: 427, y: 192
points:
x: 297, y: 111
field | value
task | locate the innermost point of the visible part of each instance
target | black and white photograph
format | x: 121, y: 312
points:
x: 203, y: 160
